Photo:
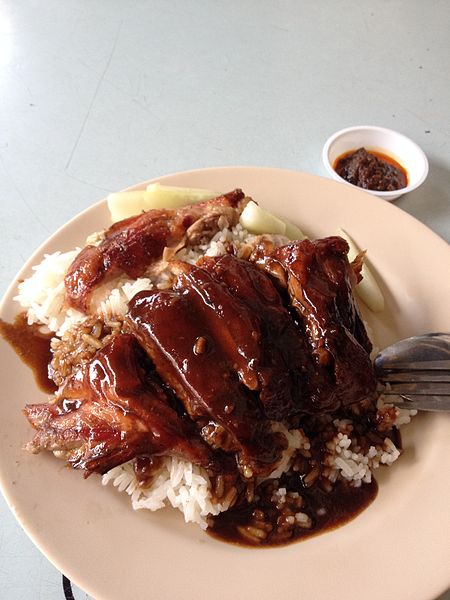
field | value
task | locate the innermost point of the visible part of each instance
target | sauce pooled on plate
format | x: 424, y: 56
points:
x: 33, y: 347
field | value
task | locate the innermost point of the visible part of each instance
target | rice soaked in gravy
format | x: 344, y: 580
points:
x: 280, y: 516
x: 222, y: 374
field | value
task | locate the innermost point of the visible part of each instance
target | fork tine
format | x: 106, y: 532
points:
x: 426, y: 365
x: 415, y: 372
x: 406, y: 376
x: 428, y: 403
x: 417, y: 388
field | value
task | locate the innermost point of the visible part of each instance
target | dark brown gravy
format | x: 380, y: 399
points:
x: 32, y: 346
x: 328, y: 510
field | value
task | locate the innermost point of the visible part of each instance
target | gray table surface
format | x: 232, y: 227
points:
x: 98, y: 94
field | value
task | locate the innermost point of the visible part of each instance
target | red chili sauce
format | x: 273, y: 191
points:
x: 371, y: 170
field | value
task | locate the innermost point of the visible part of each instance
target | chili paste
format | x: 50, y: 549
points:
x: 371, y: 170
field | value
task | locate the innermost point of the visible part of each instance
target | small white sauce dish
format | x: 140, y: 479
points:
x: 389, y: 142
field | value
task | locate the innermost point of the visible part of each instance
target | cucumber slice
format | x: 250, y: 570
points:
x: 367, y: 289
x: 173, y: 196
x: 293, y: 232
x: 126, y: 204
x: 257, y: 220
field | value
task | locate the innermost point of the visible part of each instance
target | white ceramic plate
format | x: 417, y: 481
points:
x: 398, y: 548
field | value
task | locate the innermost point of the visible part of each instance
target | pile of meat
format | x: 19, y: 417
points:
x: 201, y: 369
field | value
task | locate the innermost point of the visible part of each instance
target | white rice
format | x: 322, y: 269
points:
x: 42, y: 294
x: 179, y: 483
x: 345, y: 458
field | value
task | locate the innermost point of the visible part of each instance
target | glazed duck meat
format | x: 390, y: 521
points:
x: 114, y: 410
x: 319, y: 280
x: 139, y: 243
x: 212, y: 368
x: 284, y: 364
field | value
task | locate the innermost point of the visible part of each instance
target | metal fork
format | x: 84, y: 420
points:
x: 416, y: 372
